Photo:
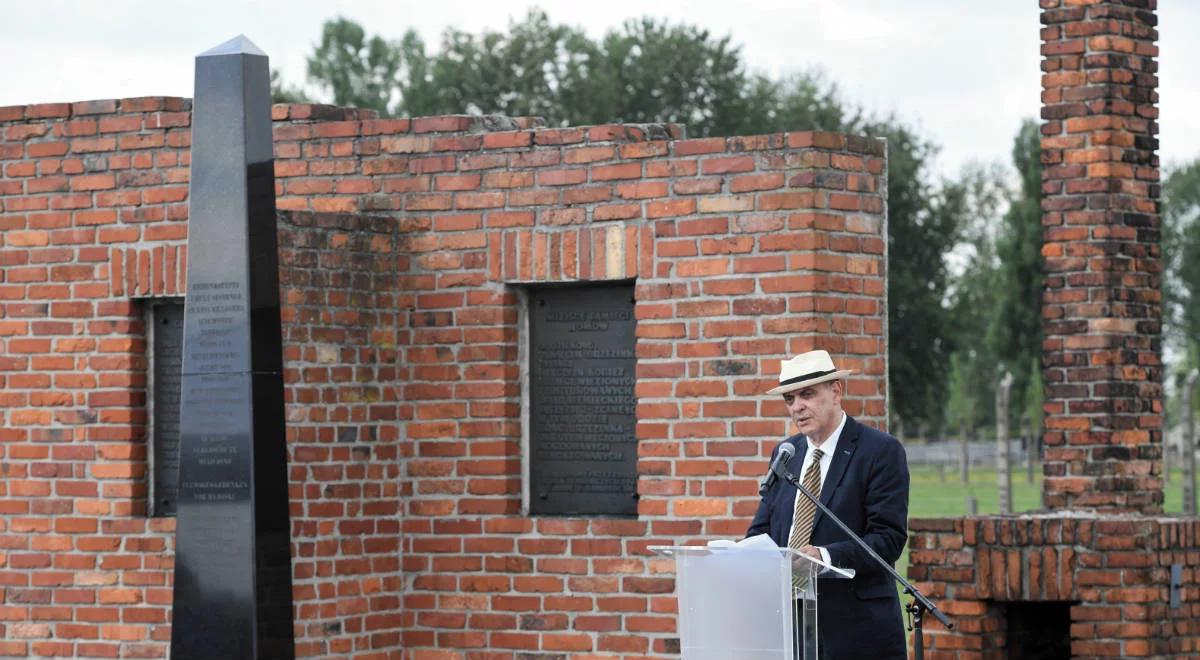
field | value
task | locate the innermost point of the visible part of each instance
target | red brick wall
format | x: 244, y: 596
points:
x: 1103, y: 300
x: 340, y: 314
x: 92, y: 204
x: 1114, y: 570
x: 400, y: 241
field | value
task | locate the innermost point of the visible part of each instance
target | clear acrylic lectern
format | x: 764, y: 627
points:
x: 744, y: 603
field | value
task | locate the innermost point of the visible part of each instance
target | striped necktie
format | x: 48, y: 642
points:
x: 802, y: 522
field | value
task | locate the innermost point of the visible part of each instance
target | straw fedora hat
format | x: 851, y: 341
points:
x: 806, y: 370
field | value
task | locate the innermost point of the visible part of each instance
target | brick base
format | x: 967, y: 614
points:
x: 1113, y: 569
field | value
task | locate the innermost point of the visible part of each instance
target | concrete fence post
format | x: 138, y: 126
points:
x: 1003, y: 460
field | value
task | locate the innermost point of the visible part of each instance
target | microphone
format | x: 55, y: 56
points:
x: 782, y: 456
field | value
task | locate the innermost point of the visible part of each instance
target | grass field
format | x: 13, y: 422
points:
x: 932, y: 497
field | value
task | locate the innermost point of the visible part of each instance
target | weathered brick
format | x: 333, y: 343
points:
x: 397, y: 325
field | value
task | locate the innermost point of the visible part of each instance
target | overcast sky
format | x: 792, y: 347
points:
x: 964, y: 72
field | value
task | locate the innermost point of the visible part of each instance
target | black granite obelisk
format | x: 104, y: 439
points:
x: 233, y: 588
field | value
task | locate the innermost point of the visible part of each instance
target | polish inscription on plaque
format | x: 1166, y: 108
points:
x: 167, y: 319
x: 583, y: 443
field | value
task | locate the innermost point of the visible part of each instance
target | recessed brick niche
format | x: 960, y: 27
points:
x: 1095, y: 568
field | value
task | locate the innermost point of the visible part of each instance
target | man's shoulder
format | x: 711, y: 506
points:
x: 871, y: 437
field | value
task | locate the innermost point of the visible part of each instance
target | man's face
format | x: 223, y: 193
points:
x: 816, y: 410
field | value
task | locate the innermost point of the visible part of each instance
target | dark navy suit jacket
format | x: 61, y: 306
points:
x: 867, y: 487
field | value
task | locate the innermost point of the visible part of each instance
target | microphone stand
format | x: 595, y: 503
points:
x: 919, y: 605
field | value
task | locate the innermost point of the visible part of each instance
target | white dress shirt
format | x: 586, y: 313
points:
x: 828, y: 448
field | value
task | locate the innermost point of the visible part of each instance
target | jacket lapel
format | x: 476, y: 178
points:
x: 787, y: 508
x: 847, y: 444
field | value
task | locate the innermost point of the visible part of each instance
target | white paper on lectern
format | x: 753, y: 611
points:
x: 764, y: 542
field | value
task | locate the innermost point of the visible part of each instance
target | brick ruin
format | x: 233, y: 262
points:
x: 1091, y: 576
x: 404, y: 247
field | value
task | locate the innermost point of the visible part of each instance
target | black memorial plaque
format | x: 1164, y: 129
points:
x: 583, y: 442
x: 233, y: 592
x: 167, y: 320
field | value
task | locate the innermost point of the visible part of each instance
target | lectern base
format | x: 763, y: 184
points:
x: 804, y: 635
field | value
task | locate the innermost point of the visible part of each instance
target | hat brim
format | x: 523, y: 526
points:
x: 792, y: 387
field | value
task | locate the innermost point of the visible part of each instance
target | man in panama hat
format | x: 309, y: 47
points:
x: 861, y: 475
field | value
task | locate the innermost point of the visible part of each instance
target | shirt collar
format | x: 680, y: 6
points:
x: 830, y: 445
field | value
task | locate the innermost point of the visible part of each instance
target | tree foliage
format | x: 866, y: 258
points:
x: 356, y: 70
x: 1181, y: 242
x: 995, y: 299
x: 964, y: 399
x: 282, y: 92
x: 923, y: 224
x: 649, y: 70
x: 975, y: 198
x: 1014, y: 333
x: 528, y: 71
x: 1181, y: 281
x: 646, y: 70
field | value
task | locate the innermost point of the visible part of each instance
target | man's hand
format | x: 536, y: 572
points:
x: 809, y: 551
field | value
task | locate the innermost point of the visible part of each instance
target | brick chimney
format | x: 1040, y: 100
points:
x: 1102, y: 306
x: 1101, y: 573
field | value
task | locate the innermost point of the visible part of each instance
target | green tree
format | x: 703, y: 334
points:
x: 653, y: 71
x: 995, y: 296
x: 1181, y: 278
x: 523, y: 72
x: 1014, y: 333
x: 962, y: 403
x: 797, y: 101
x: 284, y: 93
x: 355, y: 70
x: 923, y: 224
x: 420, y: 95
x: 645, y: 71
x: 1181, y: 253
x: 976, y: 198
